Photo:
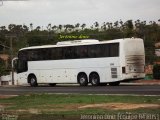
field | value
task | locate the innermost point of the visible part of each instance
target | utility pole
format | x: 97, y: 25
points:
x: 11, y: 55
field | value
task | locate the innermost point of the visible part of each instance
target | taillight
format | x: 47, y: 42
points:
x: 123, y: 70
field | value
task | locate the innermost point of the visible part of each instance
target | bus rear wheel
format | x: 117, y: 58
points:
x: 82, y: 79
x: 94, y: 79
x: 33, y: 81
x: 114, y: 83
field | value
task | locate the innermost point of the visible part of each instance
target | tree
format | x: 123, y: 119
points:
x: 2, y: 68
x: 96, y: 24
x: 103, y: 27
x: 25, y: 28
x: 60, y: 28
x: 31, y: 26
x: 129, y: 29
x: 36, y: 40
x: 49, y: 27
x: 38, y: 28
x: 83, y: 26
x: 54, y: 28
x: 116, y: 24
x: 77, y: 26
x: 3, y: 28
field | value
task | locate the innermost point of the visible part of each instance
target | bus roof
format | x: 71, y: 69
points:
x: 75, y: 43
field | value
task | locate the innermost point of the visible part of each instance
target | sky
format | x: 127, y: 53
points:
x: 43, y: 12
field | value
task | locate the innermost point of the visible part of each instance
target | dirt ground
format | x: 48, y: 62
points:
x: 120, y: 106
x: 70, y: 107
x: 148, y: 81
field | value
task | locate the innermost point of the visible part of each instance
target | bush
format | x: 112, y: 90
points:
x: 3, y: 69
x: 156, y: 71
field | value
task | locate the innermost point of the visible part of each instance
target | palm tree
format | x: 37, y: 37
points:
x: 60, y: 27
x: 108, y: 24
x: 25, y: 28
x: 83, y: 26
x: 129, y: 24
x: 103, y: 27
x: 54, y: 28
x: 66, y: 27
x: 96, y: 24
x: 11, y: 27
x: 49, y: 27
x: 38, y: 28
x: 77, y: 26
x: 3, y: 28
x: 150, y: 22
x: 116, y: 24
x: 31, y: 26
x: 111, y: 25
x: 121, y: 23
x: 71, y: 27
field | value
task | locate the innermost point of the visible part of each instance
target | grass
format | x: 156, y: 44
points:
x: 53, y: 106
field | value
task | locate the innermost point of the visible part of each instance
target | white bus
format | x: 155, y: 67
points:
x: 82, y: 62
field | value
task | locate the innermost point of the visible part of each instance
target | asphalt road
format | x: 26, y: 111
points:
x: 122, y: 89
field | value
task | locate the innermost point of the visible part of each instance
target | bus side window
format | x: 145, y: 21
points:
x: 82, y: 52
x: 93, y: 51
x: 114, y: 49
x: 53, y: 54
x: 104, y: 50
x: 58, y: 54
x: 68, y: 53
x: 44, y: 54
x: 23, y: 55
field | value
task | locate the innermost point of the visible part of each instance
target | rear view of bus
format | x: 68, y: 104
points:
x: 133, y: 59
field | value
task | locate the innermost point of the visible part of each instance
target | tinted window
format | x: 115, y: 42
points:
x: 56, y: 53
x: 68, y: 53
x: 94, y: 51
x: 81, y: 52
x: 23, y: 55
x: 34, y: 55
x: 73, y: 52
x: 114, y: 50
x: 45, y: 54
x: 104, y: 51
x: 22, y: 66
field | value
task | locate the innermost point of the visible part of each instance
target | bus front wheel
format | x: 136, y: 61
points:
x: 33, y: 81
x: 82, y: 79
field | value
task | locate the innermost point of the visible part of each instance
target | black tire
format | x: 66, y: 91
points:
x: 94, y: 79
x: 33, y: 81
x: 82, y: 79
x: 52, y: 84
x: 114, y: 83
x: 103, y: 84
